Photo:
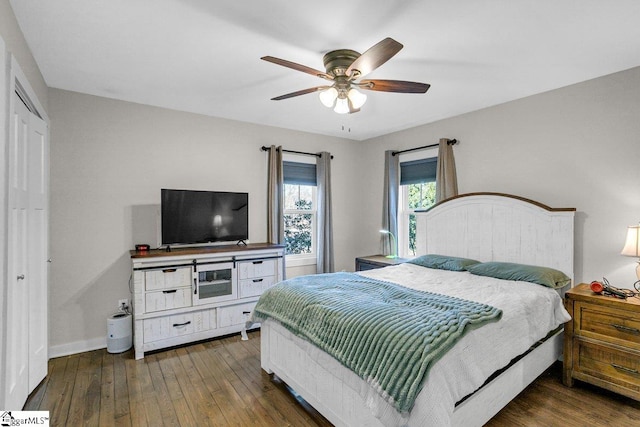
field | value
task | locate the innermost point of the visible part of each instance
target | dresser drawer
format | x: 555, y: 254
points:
x: 234, y: 314
x: 168, y: 278
x: 614, y: 365
x: 167, y: 299
x: 162, y: 328
x: 258, y: 268
x: 608, y: 323
x: 255, y: 287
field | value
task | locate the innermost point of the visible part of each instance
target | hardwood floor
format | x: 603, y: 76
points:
x: 220, y: 383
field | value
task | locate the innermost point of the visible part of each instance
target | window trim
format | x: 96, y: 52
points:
x: 298, y: 260
x: 403, y: 203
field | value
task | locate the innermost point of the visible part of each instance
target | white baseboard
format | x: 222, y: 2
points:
x: 77, y: 347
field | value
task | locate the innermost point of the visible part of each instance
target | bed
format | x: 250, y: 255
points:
x: 486, y: 367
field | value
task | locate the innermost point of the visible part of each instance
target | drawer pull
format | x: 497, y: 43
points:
x: 623, y: 328
x: 177, y: 325
x: 624, y: 368
x: 172, y: 291
x: 169, y: 270
x: 257, y: 280
x: 257, y: 262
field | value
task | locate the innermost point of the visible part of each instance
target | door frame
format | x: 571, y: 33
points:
x: 4, y: 148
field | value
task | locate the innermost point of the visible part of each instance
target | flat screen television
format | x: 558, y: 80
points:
x: 199, y: 217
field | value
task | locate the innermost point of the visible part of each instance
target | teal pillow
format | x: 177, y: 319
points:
x: 526, y: 273
x: 443, y: 262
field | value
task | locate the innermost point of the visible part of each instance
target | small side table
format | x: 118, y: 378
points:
x: 602, y: 341
x: 377, y: 261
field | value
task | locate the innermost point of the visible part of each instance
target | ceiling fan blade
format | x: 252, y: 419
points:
x: 297, y: 67
x: 393, y: 86
x: 300, y: 92
x: 377, y: 55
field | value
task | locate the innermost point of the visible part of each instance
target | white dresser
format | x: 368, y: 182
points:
x: 191, y: 294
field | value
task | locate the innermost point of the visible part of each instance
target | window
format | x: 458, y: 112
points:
x: 417, y: 192
x: 300, y: 209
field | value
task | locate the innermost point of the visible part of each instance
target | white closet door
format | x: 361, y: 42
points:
x: 17, y: 328
x: 38, y: 248
x: 27, y: 292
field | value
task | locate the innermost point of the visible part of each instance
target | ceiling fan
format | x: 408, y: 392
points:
x: 344, y: 68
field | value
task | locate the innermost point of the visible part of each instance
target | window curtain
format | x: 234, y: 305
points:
x: 390, y: 202
x: 325, y: 260
x: 446, y: 178
x: 275, y: 189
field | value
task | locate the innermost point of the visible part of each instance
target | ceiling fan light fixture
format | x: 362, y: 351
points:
x: 342, y: 106
x: 357, y: 98
x: 328, y: 97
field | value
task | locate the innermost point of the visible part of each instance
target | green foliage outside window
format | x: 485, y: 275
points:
x: 421, y: 196
x: 298, y: 224
x: 297, y: 230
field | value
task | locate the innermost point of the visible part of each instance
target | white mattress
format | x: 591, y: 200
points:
x: 530, y: 312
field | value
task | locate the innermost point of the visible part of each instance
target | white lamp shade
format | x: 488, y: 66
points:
x: 328, y: 97
x: 357, y: 98
x: 342, y: 106
x: 633, y: 240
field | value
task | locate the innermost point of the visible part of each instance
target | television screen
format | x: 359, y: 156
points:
x: 191, y: 217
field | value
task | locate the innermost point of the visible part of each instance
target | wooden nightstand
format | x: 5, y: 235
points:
x: 602, y: 341
x: 377, y: 261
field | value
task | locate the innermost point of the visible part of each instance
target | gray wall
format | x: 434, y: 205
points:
x: 110, y: 159
x: 577, y: 146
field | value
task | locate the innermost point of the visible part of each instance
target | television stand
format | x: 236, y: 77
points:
x: 170, y: 305
x: 241, y: 243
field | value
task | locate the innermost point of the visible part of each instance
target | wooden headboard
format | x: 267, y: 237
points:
x: 499, y: 227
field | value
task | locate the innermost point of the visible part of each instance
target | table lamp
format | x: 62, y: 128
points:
x: 631, y: 245
x: 394, y: 248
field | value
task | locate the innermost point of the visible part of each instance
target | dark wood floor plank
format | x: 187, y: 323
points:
x: 80, y: 389
x: 136, y: 402
x: 198, y: 399
x: 122, y: 406
x: 91, y: 412
x: 220, y: 382
x: 159, y: 388
x: 49, y: 387
x: 107, y: 390
x: 178, y: 401
x: 149, y: 396
x: 235, y: 379
x: 59, y: 411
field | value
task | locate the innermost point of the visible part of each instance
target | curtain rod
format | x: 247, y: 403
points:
x: 295, y: 152
x: 449, y: 141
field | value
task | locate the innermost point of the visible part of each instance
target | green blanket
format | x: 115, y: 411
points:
x: 387, y: 334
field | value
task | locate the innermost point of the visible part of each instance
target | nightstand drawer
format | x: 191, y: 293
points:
x: 607, y: 323
x: 610, y: 364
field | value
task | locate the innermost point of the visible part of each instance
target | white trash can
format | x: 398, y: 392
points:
x: 119, y: 333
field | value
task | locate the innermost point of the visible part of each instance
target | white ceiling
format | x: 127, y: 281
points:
x: 203, y: 56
